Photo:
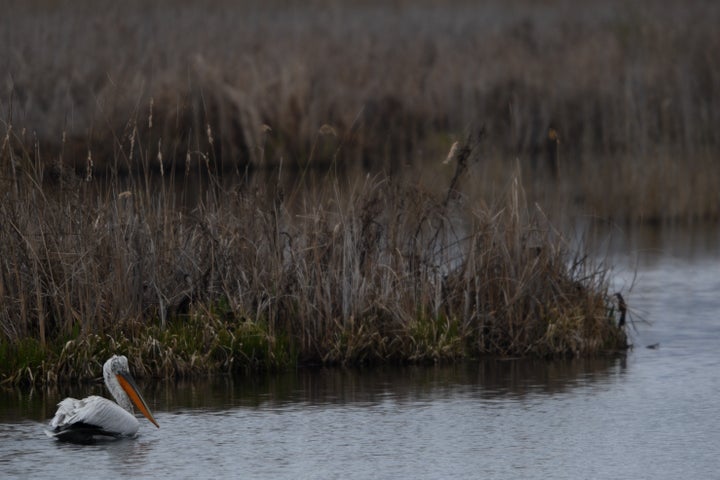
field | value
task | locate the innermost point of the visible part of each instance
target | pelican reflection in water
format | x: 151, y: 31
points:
x: 96, y: 418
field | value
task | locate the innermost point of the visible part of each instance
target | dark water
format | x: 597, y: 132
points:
x: 651, y: 414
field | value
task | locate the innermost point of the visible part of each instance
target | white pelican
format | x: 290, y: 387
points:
x: 97, y: 418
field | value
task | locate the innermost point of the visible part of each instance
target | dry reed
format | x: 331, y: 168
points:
x: 630, y: 90
x: 266, y: 274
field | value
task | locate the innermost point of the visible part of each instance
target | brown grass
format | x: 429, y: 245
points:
x: 261, y: 275
x: 631, y: 90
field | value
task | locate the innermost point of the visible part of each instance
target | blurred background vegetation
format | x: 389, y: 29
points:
x: 609, y: 106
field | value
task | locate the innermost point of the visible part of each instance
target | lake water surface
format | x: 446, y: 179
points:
x: 650, y: 414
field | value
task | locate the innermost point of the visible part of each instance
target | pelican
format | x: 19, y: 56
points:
x: 97, y: 418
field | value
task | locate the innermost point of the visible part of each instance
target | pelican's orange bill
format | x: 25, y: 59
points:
x: 128, y: 384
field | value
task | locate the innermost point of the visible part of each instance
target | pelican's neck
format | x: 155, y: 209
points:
x: 112, y: 384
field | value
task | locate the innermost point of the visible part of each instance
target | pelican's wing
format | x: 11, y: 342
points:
x: 90, y: 418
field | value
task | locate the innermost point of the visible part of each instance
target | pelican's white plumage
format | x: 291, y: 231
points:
x: 96, y: 411
x: 94, y: 418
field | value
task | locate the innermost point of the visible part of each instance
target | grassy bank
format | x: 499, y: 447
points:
x: 262, y: 274
x: 631, y: 91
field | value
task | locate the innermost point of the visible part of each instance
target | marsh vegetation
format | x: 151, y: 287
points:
x: 356, y: 271
x: 260, y: 185
x: 631, y: 92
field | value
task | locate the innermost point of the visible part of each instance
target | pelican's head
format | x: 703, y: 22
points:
x: 117, y: 371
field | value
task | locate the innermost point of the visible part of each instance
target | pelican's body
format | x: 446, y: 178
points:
x: 95, y: 418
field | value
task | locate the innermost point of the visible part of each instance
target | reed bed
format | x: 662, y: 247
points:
x: 616, y: 102
x: 265, y: 274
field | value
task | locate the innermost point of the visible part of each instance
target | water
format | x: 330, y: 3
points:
x: 650, y: 414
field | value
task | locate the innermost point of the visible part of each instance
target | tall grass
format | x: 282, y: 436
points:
x: 630, y: 90
x: 265, y: 274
